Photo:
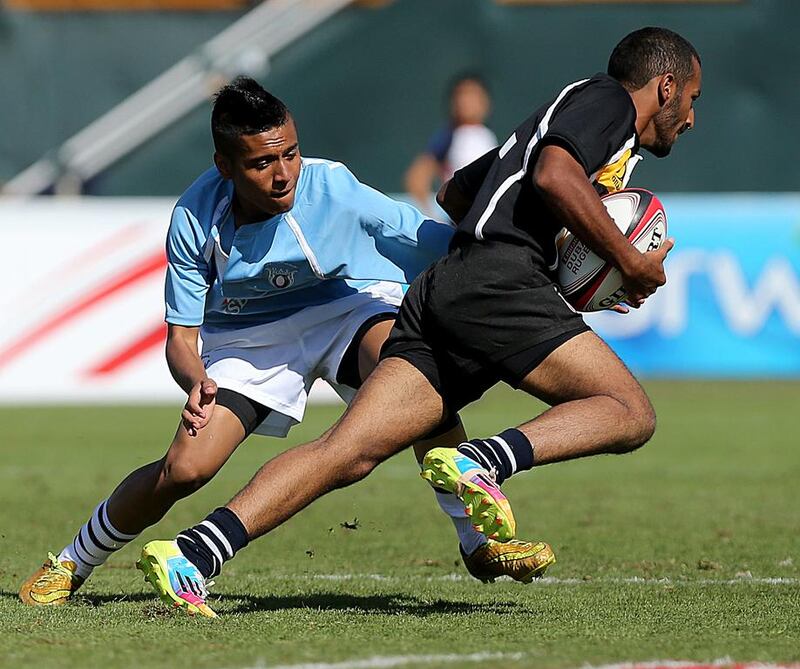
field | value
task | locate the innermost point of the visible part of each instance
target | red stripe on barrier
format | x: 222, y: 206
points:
x: 118, y: 239
x: 151, y: 264
x: 141, y: 345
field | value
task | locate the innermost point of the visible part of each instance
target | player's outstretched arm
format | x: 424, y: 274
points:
x: 418, y: 180
x: 563, y: 185
x: 189, y: 373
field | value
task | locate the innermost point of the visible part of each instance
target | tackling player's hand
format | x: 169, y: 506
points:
x: 199, y: 406
x: 642, y: 279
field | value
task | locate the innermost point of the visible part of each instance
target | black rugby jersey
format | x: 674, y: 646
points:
x: 594, y: 120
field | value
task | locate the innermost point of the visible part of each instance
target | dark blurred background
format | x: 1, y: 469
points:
x: 368, y: 86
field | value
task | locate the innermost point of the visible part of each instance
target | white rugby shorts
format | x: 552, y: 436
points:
x: 276, y: 364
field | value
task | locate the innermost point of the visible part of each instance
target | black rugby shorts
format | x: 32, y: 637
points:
x: 484, y: 313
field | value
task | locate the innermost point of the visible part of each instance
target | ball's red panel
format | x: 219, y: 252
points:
x: 589, y: 283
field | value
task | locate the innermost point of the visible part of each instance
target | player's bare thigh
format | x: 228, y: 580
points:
x: 193, y: 460
x: 581, y: 367
x: 597, y: 404
x: 190, y: 462
x: 395, y: 407
x: 368, y: 353
x: 369, y: 348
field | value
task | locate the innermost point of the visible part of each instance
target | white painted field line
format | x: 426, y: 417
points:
x: 549, y: 580
x: 683, y: 664
x: 387, y: 661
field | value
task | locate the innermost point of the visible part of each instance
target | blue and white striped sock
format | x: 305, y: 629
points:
x: 505, y: 454
x: 95, y: 542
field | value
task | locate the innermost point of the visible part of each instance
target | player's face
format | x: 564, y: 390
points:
x: 469, y: 103
x: 676, y: 116
x: 265, y: 171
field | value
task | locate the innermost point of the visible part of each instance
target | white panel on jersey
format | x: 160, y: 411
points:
x: 510, y: 142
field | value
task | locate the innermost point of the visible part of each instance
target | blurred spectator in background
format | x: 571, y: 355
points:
x: 462, y: 140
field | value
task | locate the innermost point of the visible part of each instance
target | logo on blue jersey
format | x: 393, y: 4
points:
x: 280, y: 275
x: 233, y: 305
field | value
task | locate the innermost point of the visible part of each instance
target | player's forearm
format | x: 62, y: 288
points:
x: 562, y: 184
x: 419, y: 178
x: 183, y: 358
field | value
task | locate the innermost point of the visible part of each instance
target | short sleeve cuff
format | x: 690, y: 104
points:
x: 176, y: 319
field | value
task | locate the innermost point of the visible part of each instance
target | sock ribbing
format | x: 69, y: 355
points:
x: 94, y: 543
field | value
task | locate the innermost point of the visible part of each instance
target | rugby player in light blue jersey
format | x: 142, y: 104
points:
x: 292, y: 271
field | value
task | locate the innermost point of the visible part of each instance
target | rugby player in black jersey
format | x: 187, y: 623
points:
x: 491, y: 310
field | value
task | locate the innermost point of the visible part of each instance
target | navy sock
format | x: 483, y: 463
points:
x: 507, y: 453
x: 214, y: 541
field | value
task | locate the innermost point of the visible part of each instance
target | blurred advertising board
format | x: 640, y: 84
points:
x: 731, y: 307
x: 82, y: 302
x: 82, y: 299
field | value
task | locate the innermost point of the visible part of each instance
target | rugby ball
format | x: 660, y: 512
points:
x: 589, y: 283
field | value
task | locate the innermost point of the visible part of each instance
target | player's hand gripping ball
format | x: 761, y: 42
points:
x: 588, y: 282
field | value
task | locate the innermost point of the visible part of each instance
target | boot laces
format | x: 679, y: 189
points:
x: 54, y: 572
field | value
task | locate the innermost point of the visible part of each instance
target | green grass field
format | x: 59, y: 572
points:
x: 687, y: 549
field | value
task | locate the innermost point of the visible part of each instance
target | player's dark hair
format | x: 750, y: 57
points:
x: 461, y: 77
x: 243, y: 107
x: 651, y: 52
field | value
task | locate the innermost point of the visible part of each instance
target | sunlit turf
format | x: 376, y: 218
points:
x: 687, y: 549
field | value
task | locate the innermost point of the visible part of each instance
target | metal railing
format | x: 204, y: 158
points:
x: 244, y: 47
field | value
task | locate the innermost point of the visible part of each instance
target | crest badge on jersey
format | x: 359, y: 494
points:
x: 616, y: 174
x: 280, y: 275
x: 612, y: 176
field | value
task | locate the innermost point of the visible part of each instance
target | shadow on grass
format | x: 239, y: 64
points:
x: 228, y: 604
x: 373, y: 604
x: 89, y: 599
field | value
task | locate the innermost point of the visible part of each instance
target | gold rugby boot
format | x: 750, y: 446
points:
x: 521, y: 560
x: 52, y: 584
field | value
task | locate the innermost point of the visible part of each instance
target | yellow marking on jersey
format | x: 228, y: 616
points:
x: 612, y: 176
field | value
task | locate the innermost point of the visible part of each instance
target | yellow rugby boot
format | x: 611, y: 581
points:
x: 177, y: 582
x: 52, y: 584
x: 521, y: 560
x: 487, y: 507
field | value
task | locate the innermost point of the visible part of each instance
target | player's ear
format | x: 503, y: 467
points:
x: 223, y: 165
x: 667, y: 88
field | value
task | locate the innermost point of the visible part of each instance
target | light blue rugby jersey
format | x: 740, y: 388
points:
x: 339, y: 237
